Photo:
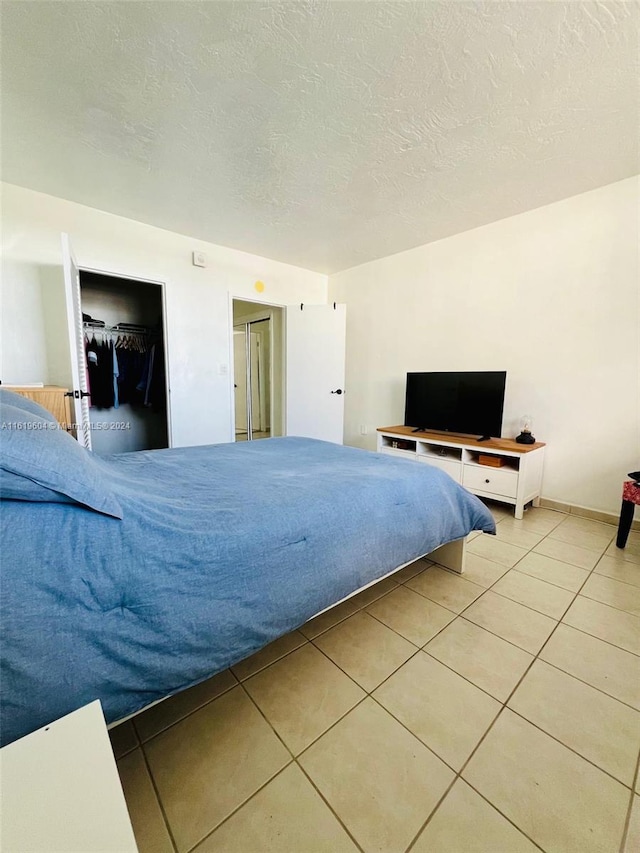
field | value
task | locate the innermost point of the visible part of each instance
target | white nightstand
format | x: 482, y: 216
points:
x: 60, y: 790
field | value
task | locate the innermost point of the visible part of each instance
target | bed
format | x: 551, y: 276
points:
x: 130, y: 577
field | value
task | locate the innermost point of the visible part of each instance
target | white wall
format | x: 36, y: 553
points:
x: 551, y: 296
x: 198, y: 305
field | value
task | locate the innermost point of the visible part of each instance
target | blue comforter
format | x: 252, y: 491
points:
x: 221, y: 550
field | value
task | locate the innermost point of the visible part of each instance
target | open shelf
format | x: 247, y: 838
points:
x: 399, y: 444
x: 440, y: 451
x: 508, y: 463
x: 516, y: 479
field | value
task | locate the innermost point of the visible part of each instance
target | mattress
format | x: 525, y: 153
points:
x: 220, y: 549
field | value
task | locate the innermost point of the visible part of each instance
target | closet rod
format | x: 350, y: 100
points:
x: 122, y: 329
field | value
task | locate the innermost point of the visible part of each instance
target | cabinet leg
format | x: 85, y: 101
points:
x: 536, y: 501
x: 624, y: 525
x: 519, y: 513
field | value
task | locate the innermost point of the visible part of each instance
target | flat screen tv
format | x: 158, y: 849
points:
x: 469, y: 403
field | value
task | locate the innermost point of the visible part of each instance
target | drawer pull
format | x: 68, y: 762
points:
x: 487, y: 481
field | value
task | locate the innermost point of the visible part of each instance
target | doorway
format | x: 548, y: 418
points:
x: 257, y: 370
x: 123, y: 341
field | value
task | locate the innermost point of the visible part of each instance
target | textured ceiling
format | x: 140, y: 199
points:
x: 325, y: 134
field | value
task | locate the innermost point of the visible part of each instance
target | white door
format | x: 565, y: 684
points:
x: 248, y: 381
x: 256, y: 382
x: 315, y: 347
x: 80, y: 398
x: 240, y: 379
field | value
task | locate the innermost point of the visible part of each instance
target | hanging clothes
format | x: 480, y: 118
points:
x: 116, y: 374
x: 157, y: 386
x: 129, y: 370
x: 99, y: 358
x: 130, y: 365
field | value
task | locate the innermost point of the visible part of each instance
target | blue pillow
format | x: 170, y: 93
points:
x: 16, y: 488
x: 10, y: 398
x: 41, y: 453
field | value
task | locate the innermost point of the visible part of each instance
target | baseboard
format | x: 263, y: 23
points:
x: 585, y: 512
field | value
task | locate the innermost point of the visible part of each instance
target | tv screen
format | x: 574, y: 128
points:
x: 469, y: 403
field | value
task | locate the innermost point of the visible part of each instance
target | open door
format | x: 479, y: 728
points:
x: 79, y: 391
x: 315, y: 359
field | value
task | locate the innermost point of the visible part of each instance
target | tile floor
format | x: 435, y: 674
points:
x: 497, y: 712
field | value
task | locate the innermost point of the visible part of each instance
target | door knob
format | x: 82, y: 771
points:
x: 339, y: 391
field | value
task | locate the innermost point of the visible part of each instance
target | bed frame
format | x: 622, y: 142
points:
x: 451, y: 556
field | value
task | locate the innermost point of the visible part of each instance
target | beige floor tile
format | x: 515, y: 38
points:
x: 607, y: 623
x: 319, y: 624
x: 589, y: 525
x: 465, y: 823
x: 482, y: 571
x: 340, y: 612
x: 444, y: 710
x: 514, y: 622
x: 147, y: 821
x: 619, y: 570
x: 509, y: 532
x: 316, y: 626
x: 411, y: 615
x: 365, y: 649
x: 532, y: 592
x: 268, y: 655
x: 123, y: 739
x: 585, y: 537
x: 411, y: 571
x: 533, y: 780
x: 204, y: 770
x: 498, y: 510
x: 494, y: 549
x: 446, y: 588
x: 606, y: 667
x: 484, y: 659
x: 302, y: 695
x: 601, y: 729
x: 379, y: 779
x: 632, y: 841
x: 539, y: 520
x: 617, y: 594
x: 553, y: 571
x: 286, y: 816
x: 630, y: 553
x: 169, y: 711
x: 473, y: 535
x: 375, y: 591
x: 566, y: 553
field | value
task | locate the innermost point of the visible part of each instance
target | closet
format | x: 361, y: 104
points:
x: 123, y: 338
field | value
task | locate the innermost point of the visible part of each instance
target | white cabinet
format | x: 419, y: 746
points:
x: 61, y: 790
x: 499, y: 469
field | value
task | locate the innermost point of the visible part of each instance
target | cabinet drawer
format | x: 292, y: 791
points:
x: 453, y: 468
x: 490, y: 480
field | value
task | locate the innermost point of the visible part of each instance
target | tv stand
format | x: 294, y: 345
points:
x: 515, y: 477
